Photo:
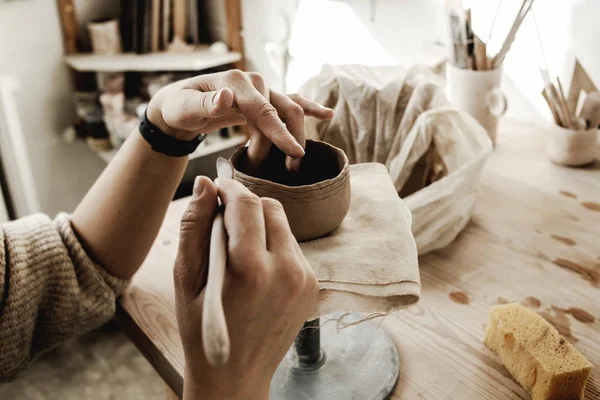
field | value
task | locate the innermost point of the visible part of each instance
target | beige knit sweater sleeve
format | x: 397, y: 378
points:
x: 50, y: 290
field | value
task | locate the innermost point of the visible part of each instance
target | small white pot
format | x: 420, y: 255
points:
x: 571, y: 147
x: 477, y: 93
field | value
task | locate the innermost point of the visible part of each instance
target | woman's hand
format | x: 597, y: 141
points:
x: 206, y: 103
x: 269, y: 291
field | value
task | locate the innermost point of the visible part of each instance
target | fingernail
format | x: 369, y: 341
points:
x: 217, y: 97
x: 198, y: 186
x: 293, y: 164
x: 300, y: 150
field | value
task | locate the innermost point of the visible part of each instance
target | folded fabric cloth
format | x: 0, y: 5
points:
x: 369, y: 263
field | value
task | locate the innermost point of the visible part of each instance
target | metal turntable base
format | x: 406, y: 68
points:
x: 358, y: 362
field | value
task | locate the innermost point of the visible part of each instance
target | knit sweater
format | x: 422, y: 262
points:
x: 50, y: 290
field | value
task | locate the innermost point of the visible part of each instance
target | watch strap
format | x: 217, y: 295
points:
x: 164, y: 143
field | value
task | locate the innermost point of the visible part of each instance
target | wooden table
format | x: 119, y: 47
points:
x: 534, y: 238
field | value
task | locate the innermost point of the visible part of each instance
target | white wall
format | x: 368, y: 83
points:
x: 31, y: 50
x: 412, y: 31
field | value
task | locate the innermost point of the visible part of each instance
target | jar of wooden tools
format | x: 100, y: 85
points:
x: 573, y: 139
x: 473, y: 76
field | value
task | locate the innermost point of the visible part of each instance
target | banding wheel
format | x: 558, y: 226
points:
x: 357, y: 362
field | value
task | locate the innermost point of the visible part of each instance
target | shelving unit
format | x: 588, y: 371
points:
x: 200, y: 59
x: 212, y: 144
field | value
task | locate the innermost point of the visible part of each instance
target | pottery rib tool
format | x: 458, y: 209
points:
x: 215, y: 336
x: 510, y: 38
x: 580, y: 80
x: 591, y: 110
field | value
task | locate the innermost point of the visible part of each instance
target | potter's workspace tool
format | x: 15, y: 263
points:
x: 470, y: 39
x: 550, y: 94
x: 564, y: 105
x: 590, y: 111
x: 580, y: 81
x: 510, y: 38
x: 458, y: 38
x: 480, y: 54
x: 215, y: 336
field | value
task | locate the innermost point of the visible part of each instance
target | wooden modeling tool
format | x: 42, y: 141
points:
x: 510, y: 38
x: 480, y: 54
x: 551, y: 101
x: 591, y: 110
x: 215, y: 336
x: 564, y: 106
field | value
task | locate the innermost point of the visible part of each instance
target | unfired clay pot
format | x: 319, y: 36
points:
x: 316, y: 199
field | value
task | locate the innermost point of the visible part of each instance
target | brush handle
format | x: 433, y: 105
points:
x: 215, y: 336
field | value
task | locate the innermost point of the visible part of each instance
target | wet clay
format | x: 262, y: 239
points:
x: 564, y: 240
x: 590, y: 205
x: 459, y: 297
x: 559, y: 320
x: 568, y: 194
x: 587, y: 273
x: 316, y: 198
x: 531, y: 302
x: 318, y: 164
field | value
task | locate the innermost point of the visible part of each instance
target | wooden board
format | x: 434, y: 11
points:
x: 533, y: 238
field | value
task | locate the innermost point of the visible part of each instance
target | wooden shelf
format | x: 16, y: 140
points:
x: 212, y: 144
x: 197, y: 60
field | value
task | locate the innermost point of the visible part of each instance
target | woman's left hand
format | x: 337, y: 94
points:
x: 209, y: 102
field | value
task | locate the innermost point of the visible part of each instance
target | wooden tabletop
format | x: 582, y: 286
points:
x: 534, y: 238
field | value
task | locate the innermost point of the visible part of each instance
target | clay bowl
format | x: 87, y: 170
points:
x: 315, y: 199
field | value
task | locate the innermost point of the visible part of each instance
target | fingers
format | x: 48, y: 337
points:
x: 259, y: 112
x: 293, y: 115
x: 191, y: 110
x: 312, y: 108
x: 278, y: 233
x: 244, y: 219
x: 194, y: 238
x: 260, y: 145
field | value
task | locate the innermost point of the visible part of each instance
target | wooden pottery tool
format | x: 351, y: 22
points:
x: 591, y: 109
x: 564, y: 106
x: 510, y: 38
x: 551, y: 101
x: 215, y: 336
x: 480, y: 54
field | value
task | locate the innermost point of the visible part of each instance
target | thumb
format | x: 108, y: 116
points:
x: 190, y: 109
x: 194, y: 239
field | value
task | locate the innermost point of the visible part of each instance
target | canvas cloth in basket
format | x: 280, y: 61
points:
x: 401, y: 118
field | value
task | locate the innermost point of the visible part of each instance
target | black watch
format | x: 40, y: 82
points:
x: 167, y: 144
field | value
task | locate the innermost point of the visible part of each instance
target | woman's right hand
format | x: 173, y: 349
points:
x: 269, y: 292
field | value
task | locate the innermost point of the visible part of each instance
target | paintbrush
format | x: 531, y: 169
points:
x: 215, y: 336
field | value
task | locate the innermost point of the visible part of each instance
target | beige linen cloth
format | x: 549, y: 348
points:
x: 369, y: 264
x: 400, y: 117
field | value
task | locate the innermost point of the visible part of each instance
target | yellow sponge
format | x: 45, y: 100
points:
x: 536, y: 355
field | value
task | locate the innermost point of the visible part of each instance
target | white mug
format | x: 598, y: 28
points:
x: 571, y: 147
x: 477, y: 93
